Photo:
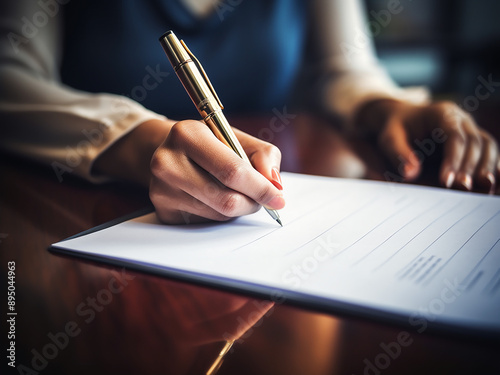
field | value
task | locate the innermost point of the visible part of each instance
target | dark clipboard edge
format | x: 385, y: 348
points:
x: 301, y: 300
x: 111, y: 223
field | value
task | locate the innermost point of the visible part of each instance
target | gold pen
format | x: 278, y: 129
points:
x: 200, y: 90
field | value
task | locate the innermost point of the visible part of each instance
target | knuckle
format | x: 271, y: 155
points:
x: 165, y: 166
x: 475, y: 140
x: 271, y: 149
x: 177, y: 131
x: 446, y: 106
x: 449, y: 111
x: 231, y: 173
x: 182, y: 131
x: 157, y: 163
x: 457, y: 134
x: 229, y: 204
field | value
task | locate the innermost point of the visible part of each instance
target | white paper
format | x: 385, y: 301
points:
x: 427, y: 254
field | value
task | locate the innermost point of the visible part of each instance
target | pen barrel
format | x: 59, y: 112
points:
x: 198, y: 91
x: 219, y: 125
x: 195, y: 84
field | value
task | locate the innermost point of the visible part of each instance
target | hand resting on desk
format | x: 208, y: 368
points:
x: 470, y: 154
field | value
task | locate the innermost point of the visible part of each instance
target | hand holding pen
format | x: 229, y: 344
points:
x: 198, y: 177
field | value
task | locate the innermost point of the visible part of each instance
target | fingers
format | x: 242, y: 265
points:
x: 461, y: 150
x: 489, y: 164
x: 175, y: 206
x: 233, y: 172
x: 394, y: 142
x: 264, y: 156
x: 196, y: 177
x: 470, y: 153
x: 186, y: 195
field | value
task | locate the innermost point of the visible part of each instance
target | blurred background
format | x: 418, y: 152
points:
x: 445, y: 45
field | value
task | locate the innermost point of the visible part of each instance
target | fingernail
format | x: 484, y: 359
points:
x: 277, y: 203
x: 466, y: 181
x: 410, y: 170
x: 450, y: 179
x: 412, y: 167
x: 491, y: 178
x: 276, y: 178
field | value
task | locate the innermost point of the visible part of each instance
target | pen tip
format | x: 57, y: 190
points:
x: 279, y: 221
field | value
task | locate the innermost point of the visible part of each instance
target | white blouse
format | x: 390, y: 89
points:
x: 42, y: 119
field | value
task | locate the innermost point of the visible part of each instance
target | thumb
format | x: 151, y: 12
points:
x: 394, y: 143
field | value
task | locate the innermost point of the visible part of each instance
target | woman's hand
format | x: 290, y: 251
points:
x: 470, y: 154
x: 193, y: 176
x: 196, y: 177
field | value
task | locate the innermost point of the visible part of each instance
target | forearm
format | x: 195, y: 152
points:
x: 65, y: 129
x: 352, y: 74
x: 46, y: 121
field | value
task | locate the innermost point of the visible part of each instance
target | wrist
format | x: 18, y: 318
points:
x: 129, y: 157
x: 373, y: 115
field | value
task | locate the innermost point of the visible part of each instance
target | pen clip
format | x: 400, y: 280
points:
x: 202, y: 71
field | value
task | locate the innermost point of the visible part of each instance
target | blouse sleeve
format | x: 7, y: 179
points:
x: 41, y: 118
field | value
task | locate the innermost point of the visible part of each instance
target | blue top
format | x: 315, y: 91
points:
x: 251, y: 50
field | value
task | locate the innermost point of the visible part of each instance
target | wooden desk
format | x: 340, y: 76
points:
x: 78, y: 317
